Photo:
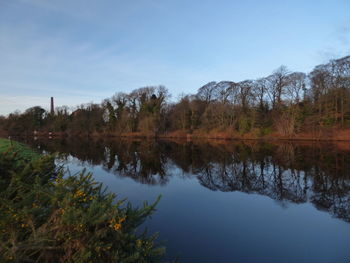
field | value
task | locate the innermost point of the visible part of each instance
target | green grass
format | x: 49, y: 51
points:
x: 19, y: 150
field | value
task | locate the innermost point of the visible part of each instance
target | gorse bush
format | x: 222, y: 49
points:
x: 47, y: 216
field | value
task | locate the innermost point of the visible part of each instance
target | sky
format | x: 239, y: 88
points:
x: 82, y: 51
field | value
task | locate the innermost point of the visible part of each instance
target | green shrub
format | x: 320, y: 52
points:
x: 47, y: 216
x: 328, y: 121
x: 265, y: 131
x: 244, y: 125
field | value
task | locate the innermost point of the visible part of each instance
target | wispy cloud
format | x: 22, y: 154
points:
x: 34, y: 67
x: 338, y: 44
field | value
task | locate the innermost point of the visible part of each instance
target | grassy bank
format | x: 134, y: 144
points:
x: 49, y: 216
x: 20, y: 152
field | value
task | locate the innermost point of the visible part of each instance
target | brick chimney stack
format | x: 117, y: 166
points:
x: 52, y: 111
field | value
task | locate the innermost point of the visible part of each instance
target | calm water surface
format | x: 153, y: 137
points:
x: 229, y: 201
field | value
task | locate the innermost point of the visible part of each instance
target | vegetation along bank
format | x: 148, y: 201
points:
x: 49, y: 216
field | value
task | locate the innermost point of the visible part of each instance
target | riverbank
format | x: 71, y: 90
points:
x: 19, y: 151
x: 50, y: 216
x: 324, y: 134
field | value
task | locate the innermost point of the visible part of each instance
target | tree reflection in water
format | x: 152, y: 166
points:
x: 284, y: 171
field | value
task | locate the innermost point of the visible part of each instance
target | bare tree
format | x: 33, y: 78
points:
x: 296, y: 86
x: 245, y: 94
x: 278, y: 82
x: 260, y: 91
x: 206, y: 92
x: 222, y: 91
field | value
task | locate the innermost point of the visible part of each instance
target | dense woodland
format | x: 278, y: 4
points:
x: 284, y: 103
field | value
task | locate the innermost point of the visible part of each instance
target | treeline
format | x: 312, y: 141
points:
x: 284, y: 103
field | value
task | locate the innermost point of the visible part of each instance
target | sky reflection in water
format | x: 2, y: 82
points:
x: 229, y: 201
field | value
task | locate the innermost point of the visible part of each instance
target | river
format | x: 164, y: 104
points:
x: 237, y: 201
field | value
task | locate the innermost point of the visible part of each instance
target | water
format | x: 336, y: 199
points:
x: 229, y: 201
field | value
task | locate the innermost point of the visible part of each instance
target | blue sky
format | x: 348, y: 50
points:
x: 81, y: 51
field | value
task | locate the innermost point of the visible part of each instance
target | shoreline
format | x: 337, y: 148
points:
x: 179, y: 136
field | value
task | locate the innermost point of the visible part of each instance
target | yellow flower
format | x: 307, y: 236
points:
x: 61, y: 211
x: 79, y: 193
x: 117, y: 226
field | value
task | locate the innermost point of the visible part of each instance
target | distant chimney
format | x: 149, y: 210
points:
x: 52, y: 111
